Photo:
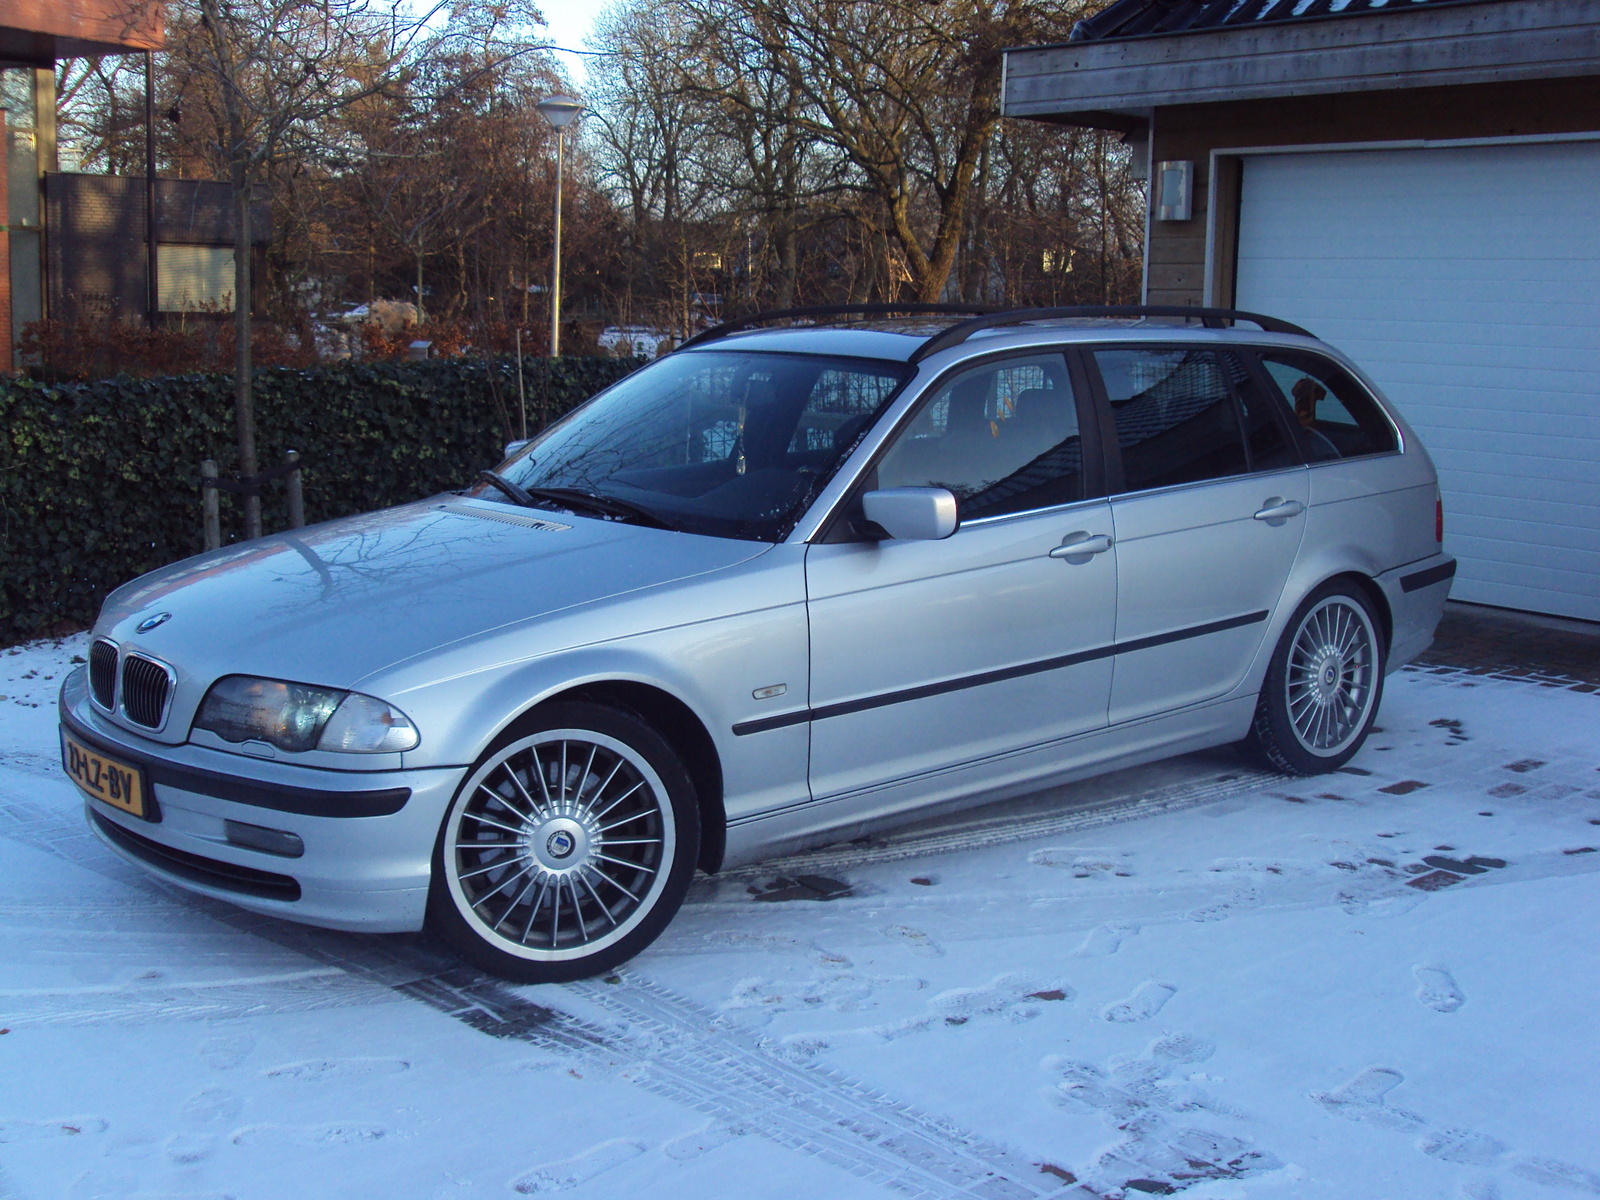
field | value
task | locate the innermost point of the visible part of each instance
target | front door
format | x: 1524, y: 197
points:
x: 1208, y: 522
x: 927, y: 655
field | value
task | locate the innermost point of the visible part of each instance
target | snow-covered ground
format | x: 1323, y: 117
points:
x: 1190, y: 978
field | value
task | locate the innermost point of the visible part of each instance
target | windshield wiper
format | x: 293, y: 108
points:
x: 579, y: 500
x: 609, y: 506
x: 513, y: 491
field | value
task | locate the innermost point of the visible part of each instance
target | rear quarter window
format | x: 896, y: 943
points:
x: 1336, y: 416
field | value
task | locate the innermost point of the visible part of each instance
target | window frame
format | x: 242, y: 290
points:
x: 1116, y: 478
x: 1285, y: 406
x: 840, y: 524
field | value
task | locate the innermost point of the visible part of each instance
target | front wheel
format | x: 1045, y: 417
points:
x: 568, y: 848
x: 1322, y: 688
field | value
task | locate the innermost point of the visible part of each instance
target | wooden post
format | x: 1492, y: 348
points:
x: 522, y: 391
x: 297, y: 502
x: 208, y: 504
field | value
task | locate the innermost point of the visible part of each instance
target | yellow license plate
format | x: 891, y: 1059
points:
x: 117, y: 783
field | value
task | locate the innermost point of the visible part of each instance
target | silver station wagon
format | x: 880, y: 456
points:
x: 789, y: 584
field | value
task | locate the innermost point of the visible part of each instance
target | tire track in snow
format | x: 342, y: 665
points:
x: 657, y: 1040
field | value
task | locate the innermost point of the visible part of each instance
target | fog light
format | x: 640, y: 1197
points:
x: 268, y: 841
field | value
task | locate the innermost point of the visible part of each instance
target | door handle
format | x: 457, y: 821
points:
x: 1082, y: 544
x: 1277, y: 508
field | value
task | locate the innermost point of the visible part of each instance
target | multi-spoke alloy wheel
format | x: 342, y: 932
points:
x: 568, y: 848
x: 1323, y: 686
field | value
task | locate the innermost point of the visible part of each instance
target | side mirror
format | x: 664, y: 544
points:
x: 912, y: 514
x: 513, y: 447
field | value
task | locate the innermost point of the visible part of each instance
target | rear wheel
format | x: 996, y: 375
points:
x: 568, y: 849
x: 1323, y: 686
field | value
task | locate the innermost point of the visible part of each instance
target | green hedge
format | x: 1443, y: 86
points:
x: 99, y: 482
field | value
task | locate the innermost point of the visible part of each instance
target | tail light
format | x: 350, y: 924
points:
x: 1438, y: 519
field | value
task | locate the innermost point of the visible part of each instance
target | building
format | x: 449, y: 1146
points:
x: 1415, y: 181
x: 75, y: 244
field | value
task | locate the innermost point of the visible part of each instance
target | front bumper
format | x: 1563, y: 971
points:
x: 368, y: 836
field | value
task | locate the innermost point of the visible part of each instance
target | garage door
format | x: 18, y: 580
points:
x: 1467, y: 282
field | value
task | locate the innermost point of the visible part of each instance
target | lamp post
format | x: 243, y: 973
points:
x: 560, y: 111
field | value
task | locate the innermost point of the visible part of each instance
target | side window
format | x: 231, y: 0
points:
x: 840, y: 407
x: 1175, y: 415
x: 1003, y: 437
x: 1264, y: 433
x: 1337, y: 418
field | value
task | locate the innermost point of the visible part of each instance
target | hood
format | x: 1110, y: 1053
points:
x: 337, y: 602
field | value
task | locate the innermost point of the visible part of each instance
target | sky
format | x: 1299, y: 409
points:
x: 570, y: 22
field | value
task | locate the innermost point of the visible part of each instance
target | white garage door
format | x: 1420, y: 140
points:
x: 1466, y: 281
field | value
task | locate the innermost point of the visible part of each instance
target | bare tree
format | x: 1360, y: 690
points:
x: 907, y: 90
x: 277, y: 70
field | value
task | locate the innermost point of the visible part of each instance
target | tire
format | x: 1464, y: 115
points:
x: 547, y: 873
x: 1323, y: 685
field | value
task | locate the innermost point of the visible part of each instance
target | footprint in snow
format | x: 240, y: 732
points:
x: 1551, y: 1173
x: 224, y: 1053
x: 1242, y: 897
x: 1082, y: 862
x: 1437, y: 989
x: 915, y: 940
x: 1012, y: 998
x: 316, y: 1070
x: 1364, y: 1098
x: 1462, y: 1146
x: 1147, y: 1000
x: 702, y: 1141
x: 570, y: 1172
x: 186, y: 1148
x: 1006, y: 997
x: 1105, y: 939
x: 339, y: 1133
x: 212, y: 1104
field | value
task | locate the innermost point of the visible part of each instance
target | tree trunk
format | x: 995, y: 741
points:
x: 788, y: 261
x: 243, y: 394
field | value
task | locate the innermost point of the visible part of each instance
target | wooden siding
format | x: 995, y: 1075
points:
x: 1369, y: 50
x: 36, y: 30
x: 1177, y: 252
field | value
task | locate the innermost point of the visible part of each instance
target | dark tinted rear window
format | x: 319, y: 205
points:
x: 1336, y: 416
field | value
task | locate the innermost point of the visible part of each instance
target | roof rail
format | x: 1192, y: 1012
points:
x: 834, y: 310
x: 1212, y: 318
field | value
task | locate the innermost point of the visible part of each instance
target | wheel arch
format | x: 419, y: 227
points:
x: 1369, y: 588
x: 683, y: 730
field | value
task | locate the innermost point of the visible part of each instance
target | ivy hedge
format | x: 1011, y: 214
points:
x: 100, y: 482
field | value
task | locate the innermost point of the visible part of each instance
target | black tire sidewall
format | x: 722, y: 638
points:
x: 444, y: 919
x: 1272, y: 734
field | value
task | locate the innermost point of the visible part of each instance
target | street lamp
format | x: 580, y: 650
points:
x: 560, y: 111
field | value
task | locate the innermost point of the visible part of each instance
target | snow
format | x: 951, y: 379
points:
x: 1191, y: 977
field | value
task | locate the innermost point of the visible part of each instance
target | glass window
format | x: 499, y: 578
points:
x: 1175, y: 415
x: 1003, y: 437
x: 1264, y: 434
x: 1336, y: 416
x: 732, y: 444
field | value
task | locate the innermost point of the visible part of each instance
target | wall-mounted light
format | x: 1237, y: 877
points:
x: 1175, y: 190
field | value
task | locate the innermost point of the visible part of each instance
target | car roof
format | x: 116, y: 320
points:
x: 903, y: 339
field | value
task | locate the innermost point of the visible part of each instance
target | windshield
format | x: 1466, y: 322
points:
x: 717, y: 442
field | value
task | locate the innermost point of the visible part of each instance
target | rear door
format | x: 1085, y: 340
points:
x: 1209, y: 510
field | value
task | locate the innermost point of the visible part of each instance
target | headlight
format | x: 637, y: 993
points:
x: 297, y: 717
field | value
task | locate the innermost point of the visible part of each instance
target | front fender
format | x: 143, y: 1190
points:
x: 713, y: 666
